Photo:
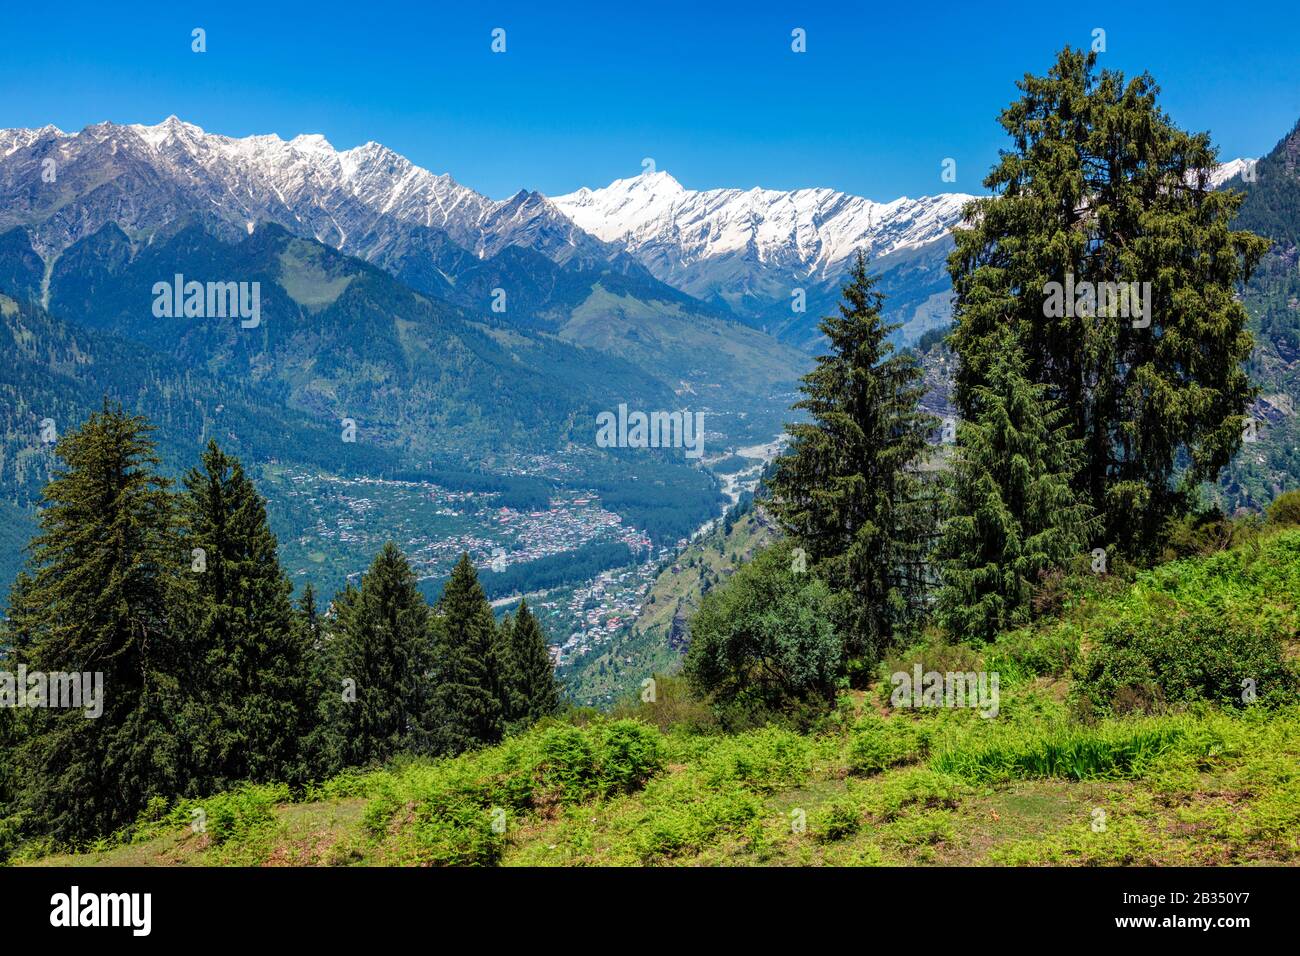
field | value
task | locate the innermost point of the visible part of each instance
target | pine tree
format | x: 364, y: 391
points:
x: 508, y: 685
x: 1012, y: 512
x: 319, y: 749
x: 1101, y: 188
x: 248, y: 707
x: 381, y: 655
x: 309, y: 618
x: 95, y: 598
x: 530, y: 677
x: 468, y: 691
x: 848, y: 491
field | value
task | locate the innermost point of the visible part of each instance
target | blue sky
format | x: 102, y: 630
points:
x: 711, y: 91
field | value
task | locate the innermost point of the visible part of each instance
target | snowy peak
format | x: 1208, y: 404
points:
x: 359, y: 200
x: 817, y: 228
x: 750, y: 246
x: 1225, y: 171
x: 747, y: 248
x: 12, y: 140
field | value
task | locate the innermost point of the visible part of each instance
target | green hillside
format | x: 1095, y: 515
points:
x: 1193, y: 782
x: 657, y: 638
x: 1271, y: 463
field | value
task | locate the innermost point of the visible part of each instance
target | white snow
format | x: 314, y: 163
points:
x: 816, y: 230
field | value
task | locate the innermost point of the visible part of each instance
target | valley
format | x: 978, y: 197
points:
x: 476, y: 427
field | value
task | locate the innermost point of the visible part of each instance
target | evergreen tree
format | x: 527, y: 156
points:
x: 309, y: 619
x: 848, y: 491
x: 1101, y: 188
x: 381, y: 655
x: 508, y: 689
x: 248, y: 707
x: 1012, y: 512
x: 320, y: 751
x: 468, y: 692
x: 529, y: 675
x: 95, y: 599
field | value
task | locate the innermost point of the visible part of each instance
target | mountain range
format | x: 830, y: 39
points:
x: 721, y: 253
x: 450, y: 326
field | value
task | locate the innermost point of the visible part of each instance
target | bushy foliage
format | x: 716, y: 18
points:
x: 673, y: 705
x: 766, y: 636
x: 1207, y: 630
x: 1206, y: 653
x: 1035, y: 652
x: 839, y: 819
x: 461, y: 807
x: 231, y: 815
x: 1204, y: 533
x: 877, y: 744
x: 1285, y: 510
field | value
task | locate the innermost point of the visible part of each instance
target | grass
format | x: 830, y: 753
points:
x: 1216, y: 787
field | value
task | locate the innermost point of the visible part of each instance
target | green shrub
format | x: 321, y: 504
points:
x: 384, y: 803
x: 1196, y: 630
x: 1035, y: 652
x: 675, y: 706
x: 10, y: 835
x: 839, y: 819
x: 766, y: 636
x: 628, y: 754
x: 877, y: 744
x: 915, y: 787
x: 765, y: 760
x: 1284, y: 512
x: 1143, y: 663
x: 565, y: 766
x: 1201, y: 534
x: 448, y: 805
x: 679, y: 829
x: 463, y: 835
x: 234, y: 814
x: 936, y: 653
x: 353, y: 782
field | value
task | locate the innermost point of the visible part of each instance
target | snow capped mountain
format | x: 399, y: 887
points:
x: 1225, y: 171
x: 749, y: 250
x: 359, y: 200
x: 753, y: 249
x: 12, y: 140
x: 813, y: 230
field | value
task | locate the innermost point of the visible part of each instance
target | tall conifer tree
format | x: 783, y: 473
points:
x: 382, y: 653
x: 468, y: 691
x: 849, y: 490
x: 1100, y: 188
x: 95, y: 599
x: 529, y: 674
x: 248, y: 702
x: 1012, y: 513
